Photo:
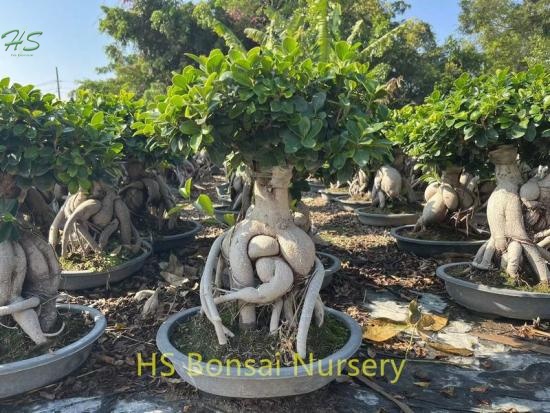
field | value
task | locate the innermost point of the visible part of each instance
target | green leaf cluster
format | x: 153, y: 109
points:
x: 478, y: 114
x: 274, y: 106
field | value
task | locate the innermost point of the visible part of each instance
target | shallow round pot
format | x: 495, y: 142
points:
x: 25, y: 375
x: 222, y: 191
x: 219, y: 213
x: 176, y: 241
x: 385, y: 220
x: 427, y: 248
x: 521, y: 305
x: 329, y: 195
x: 80, y: 280
x: 314, y: 187
x: 289, y: 381
x: 331, y: 269
x: 351, y: 205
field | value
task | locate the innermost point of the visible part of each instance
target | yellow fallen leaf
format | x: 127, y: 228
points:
x: 380, y: 330
x: 423, y: 384
x: 433, y: 322
x: 447, y: 348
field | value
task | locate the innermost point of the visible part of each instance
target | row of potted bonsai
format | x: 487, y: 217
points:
x: 277, y: 111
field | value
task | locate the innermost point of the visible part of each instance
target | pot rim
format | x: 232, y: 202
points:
x: 147, y: 251
x: 441, y: 272
x: 336, y: 262
x: 352, y: 345
x: 100, y: 323
x: 395, y: 233
x: 197, y: 227
x: 359, y: 211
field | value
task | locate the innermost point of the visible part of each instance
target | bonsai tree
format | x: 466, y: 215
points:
x: 276, y: 110
x: 491, y: 118
x: 31, y: 138
x: 93, y: 213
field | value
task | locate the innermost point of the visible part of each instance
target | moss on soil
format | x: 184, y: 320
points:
x: 15, y: 345
x: 441, y: 233
x: 498, y: 279
x: 198, y: 336
x: 98, y: 262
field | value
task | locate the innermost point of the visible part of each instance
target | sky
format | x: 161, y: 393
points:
x: 71, y: 40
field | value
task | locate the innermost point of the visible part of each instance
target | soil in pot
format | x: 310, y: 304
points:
x: 498, y: 278
x: 15, y: 345
x: 98, y: 262
x: 442, y: 233
x: 198, y: 336
x: 181, y: 227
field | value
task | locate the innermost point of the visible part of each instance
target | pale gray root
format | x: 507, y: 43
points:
x: 319, y: 311
x: 359, y: 184
x: 388, y: 183
x: 84, y: 233
x: 82, y: 213
x: 262, y: 246
x: 277, y: 279
x: 106, y: 234
x: 153, y: 192
x: 28, y: 321
x: 312, y: 293
x: 58, y: 222
x: 43, y: 276
x: 484, y: 257
x: 122, y: 213
x: 19, y: 304
x: 7, y: 267
x: 207, y: 301
x: 512, y: 259
x: 276, y: 309
x: 218, y: 278
x: 445, y: 197
x: 288, y: 309
x: 105, y: 215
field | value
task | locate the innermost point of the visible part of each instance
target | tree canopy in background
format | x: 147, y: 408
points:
x: 512, y: 34
x: 151, y: 39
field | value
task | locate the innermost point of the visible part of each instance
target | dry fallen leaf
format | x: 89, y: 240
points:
x: 423, y: 384
x: 380, y: 330
x: 433, y: 322
x: 479, y: 389
x: 447, y: 348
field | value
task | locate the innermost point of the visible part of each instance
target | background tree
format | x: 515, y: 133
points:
x: 512, y: 34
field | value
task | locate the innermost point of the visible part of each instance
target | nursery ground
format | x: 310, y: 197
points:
x: 376, y: 277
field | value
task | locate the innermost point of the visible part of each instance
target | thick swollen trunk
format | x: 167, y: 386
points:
x: 269, y: 259
x: 509, y: 236
x: 456, y: 193
x: 388, y: 184
x: 88, y: 221
x: 29, y: 278
x: 147, y: 195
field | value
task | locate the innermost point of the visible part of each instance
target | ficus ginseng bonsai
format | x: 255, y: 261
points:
x: 277, y: 111
x: 31, y: 137
x: 93, y: 215
x: 492, y: 118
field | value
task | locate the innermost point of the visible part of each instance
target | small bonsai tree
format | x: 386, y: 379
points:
x: 93, y: 213
x: 31, y: 138
x: 277, y: 111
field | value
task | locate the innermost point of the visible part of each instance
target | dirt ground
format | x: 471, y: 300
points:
x: 371, y: 264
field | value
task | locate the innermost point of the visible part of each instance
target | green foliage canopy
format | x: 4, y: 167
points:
x: 275, y: 106
x: 477, y: 115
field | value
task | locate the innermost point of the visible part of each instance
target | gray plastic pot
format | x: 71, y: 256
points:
x: 222, y: 191
x: 350, y: 204
x: 80, y: 280
x: 427, y: 248
x: 330, y: 195
x: 385, y: 220
x: 314, y: 187
x: 330, y: 269
x: 521, y: 305
x: 220, y: 211
x: 176, y: 241
x: 25, y: 375
x: 289, y: 381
